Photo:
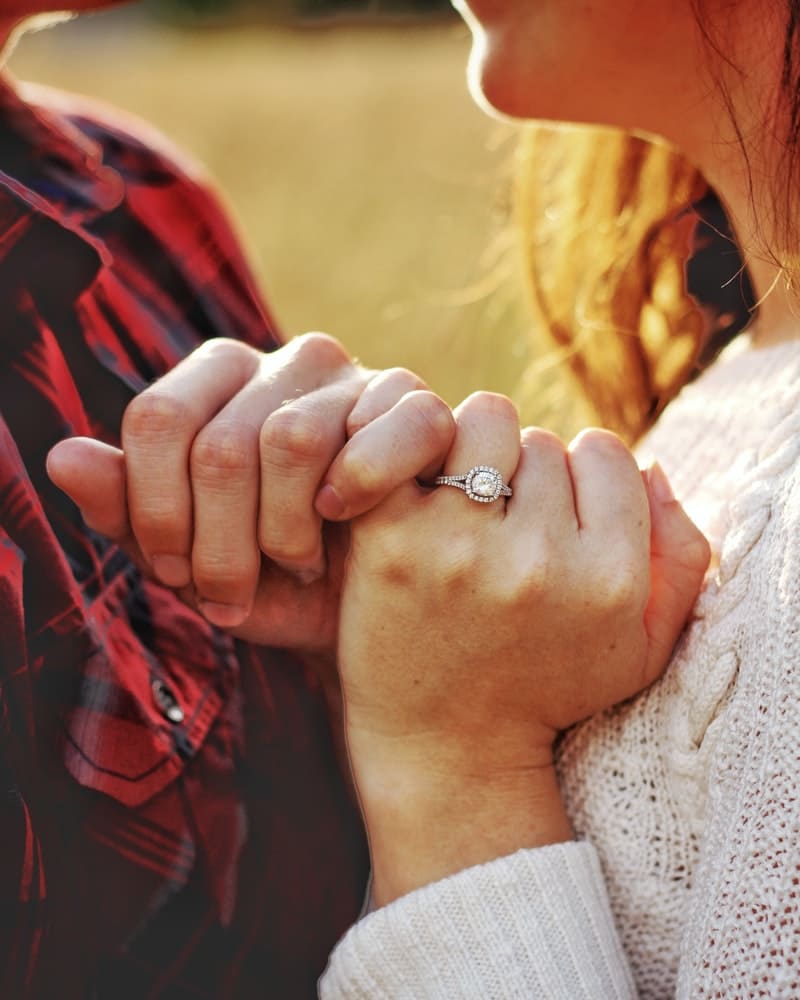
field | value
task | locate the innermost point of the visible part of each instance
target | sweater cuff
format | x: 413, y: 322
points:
x: 534, y: 924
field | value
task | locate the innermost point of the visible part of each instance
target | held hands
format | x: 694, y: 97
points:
x: 472, y: 633
x: 217, y: 490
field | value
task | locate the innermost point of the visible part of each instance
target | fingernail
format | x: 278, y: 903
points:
x: 223, y: 615
x: 662, y: 490
x: 174, y: 571
x: 329, y: 504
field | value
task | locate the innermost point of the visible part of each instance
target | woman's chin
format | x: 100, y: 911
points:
x: 484, y: 84
x: 524, y: 96
x: 490, y: 86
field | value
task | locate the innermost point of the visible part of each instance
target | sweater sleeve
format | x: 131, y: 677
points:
x: 534, y: 924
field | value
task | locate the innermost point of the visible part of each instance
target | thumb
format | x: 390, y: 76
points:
x: 679, y: 558
x: 92, y: 474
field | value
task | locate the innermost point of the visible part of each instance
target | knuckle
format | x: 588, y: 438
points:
x: 320, y: 349
x: 384, y: 391
x: 697, y: 552
x: 493, y: 403
x: 460, y: 561
x: 433, y: 417
x: 220, y: 451
x: 400, y: 378
x: 155, y: 413
x: 536, y: 577
x: 383, y: 551
x: 357, y: 421
x: 528, y: 577
x: 602, y: 441
x: 621, y: 591
x: 359, y: 474
x: 223, y: 571
x: 292, y: 434
x: 291, y: 547
x: 228, y: 351
x: 158, y: 515
x: 540, y: 439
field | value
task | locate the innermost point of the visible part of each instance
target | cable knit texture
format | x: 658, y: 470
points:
x: 690, y: 793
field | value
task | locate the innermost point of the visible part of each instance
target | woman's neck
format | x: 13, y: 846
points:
x: 778, y: 317
x: 748, y: 205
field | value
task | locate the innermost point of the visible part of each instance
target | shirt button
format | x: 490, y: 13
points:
x: 167, y: 702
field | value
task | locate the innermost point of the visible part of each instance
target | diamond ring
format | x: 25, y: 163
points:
x: 482, y: 483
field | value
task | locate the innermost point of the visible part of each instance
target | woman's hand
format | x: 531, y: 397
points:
x: 472, y: 633
x: 216, y: 492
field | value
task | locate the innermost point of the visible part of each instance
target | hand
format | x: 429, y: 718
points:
x: 223, y: 459
x: 472, y: 633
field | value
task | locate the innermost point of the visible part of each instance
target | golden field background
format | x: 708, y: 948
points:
x: 372, y: 194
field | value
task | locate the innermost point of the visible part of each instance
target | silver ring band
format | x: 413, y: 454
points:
x: 482, y: 483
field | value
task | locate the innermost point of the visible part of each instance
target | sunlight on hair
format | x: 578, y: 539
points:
x: 606, y: 227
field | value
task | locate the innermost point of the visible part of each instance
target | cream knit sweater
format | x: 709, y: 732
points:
x: 686, y: 880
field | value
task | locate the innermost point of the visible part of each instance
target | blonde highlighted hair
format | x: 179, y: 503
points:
x: 606, y: 219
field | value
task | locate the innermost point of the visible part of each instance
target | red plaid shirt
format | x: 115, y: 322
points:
x: 140, y: 857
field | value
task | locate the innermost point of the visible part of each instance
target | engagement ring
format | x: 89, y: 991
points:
x: 482, y: 483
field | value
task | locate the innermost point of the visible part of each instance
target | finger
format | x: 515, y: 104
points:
x: 382, y: 393
x: 610, y: 501
x: 542, y: 485
x: 409, y: 441
x: 225, y: 559
x: 92, y: 474
x: 158, y: 429
x: 298, y: 444
x: 613, y: 518
x: 679, y: 559
x: 226, y: 474
x: 487, y: 434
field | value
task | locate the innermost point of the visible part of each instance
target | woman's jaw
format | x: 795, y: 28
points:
x: 649, y: 67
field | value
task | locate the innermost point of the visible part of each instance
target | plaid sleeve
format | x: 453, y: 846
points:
x: 179, y: 207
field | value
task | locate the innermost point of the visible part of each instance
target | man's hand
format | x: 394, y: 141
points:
x: 217, y: 490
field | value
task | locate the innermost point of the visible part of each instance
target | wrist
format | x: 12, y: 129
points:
x: 429, y: 820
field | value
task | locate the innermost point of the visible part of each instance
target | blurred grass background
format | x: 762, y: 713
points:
x: 371, y: 192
